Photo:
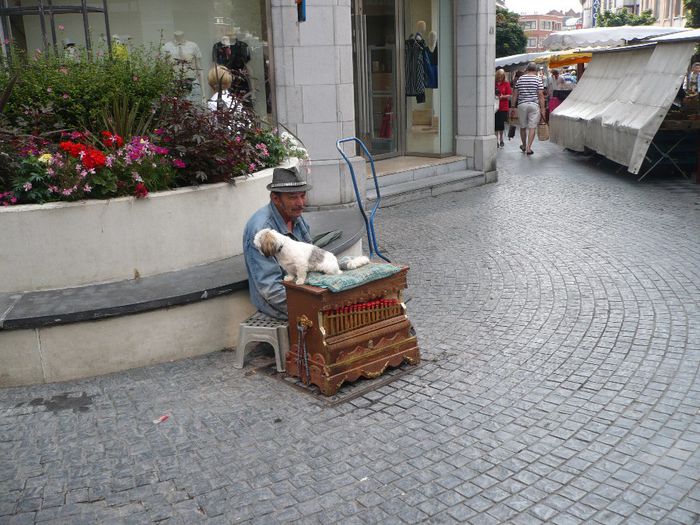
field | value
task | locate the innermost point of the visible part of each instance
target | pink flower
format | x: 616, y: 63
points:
x: 109, y: 161
x: 135, y: 78
x: 13, y: 200
x: 60, y: 27
x: 252, y: 166
x: 178, y: 163
x: 49, y: 90
x: 63, y: 70
x: 27, y: 186
x: 67, y: 191
x: 238, y: 139
x: 66, y: 96
x: 87, y: 188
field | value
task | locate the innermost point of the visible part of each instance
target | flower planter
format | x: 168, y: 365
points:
x: 62, y: 245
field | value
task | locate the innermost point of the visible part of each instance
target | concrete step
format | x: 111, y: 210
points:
x: 416, y: 173
x: 430, y: 186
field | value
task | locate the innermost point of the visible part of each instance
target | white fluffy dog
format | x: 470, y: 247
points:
x: 299, y: 258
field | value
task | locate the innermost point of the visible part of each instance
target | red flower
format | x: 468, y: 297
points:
x: 72, y: 148
x: 141, y: 191
x: 93, y: 158
x: 111, y: 140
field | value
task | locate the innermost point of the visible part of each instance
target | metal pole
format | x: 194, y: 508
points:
x: 53, y: 27
x: 42, y: 22
x: 86, y: 26
x: 6, y: 33
x: 109, y: 34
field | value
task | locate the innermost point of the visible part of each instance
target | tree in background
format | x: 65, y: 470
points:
x: 510, y: 37
x: 692, y: 13
x: 624, y: 18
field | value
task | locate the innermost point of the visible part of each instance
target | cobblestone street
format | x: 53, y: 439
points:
x: 558, y: 317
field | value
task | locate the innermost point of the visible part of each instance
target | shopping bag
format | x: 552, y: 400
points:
x: 543, y: 131
x: 511, y: 131
x: 496, y: 104
x: 513, y: 116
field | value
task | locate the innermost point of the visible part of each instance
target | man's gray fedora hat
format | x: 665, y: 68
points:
x: 287, y: 180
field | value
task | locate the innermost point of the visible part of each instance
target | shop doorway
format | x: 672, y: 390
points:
x: 403, y: 108
x: 376, y: 68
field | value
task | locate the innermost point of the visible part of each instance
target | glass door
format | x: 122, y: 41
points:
x: 376, y: 73
x: 429, y: 113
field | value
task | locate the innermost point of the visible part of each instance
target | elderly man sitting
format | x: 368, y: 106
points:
x: 283, y: 214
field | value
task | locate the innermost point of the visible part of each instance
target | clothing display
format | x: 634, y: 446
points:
x: 188, y: 59
x: 421, y: 73
x: 232, y: 56
x: 431, y: 59
x: 186, y: 55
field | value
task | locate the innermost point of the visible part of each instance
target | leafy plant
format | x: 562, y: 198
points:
x: 510, y: 37
x: 77, y: 92
x: 692, y: 13
x: 623, y: 17
x: 125, y: 118
x: 210, y: 144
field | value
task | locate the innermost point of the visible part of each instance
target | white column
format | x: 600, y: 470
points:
x: 476, y: 52
x: 315, y: 91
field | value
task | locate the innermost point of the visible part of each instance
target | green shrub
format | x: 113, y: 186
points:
x: 76, y: 93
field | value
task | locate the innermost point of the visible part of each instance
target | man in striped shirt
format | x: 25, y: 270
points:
x: 529, y: 97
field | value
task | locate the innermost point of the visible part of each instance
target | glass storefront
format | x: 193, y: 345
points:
x: 197, y: 34
x: 403, y: 58
x: 429, y: 108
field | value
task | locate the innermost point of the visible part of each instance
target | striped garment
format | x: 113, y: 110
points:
x: 528, y: 86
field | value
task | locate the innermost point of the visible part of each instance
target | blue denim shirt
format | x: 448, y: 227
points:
x: 265, y: 275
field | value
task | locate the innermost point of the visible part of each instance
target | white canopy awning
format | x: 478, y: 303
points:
x: 604, y: 36
x: 518, y: 60
x: 621, y: 100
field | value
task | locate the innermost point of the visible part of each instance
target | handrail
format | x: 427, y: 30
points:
x: 369, y: 222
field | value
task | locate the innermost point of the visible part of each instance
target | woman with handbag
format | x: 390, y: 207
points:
x: 503, y: 93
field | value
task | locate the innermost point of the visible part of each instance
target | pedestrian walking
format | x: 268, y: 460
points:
x: 529, y: 96
x: 503, y: 93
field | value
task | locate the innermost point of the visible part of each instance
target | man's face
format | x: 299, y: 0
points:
x: 290, y: 205
x: 696, y: 68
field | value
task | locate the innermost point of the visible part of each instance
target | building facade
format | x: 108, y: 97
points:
x: 668, y: 13
x: 537, y: 28
x: 345, y: 70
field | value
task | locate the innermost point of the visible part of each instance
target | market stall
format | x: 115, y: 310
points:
x: 618, y: 108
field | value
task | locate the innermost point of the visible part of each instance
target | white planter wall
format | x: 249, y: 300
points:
x: 61, y: 245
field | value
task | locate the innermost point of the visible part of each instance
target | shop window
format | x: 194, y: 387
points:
x: 429, y: 110
x: 230, y: 32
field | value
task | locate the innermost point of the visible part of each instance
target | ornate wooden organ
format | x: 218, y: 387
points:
x: 339, y: 337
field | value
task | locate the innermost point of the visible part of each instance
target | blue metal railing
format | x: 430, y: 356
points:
x: 369, y: 221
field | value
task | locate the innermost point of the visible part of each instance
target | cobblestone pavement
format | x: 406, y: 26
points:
x: 557, y: 313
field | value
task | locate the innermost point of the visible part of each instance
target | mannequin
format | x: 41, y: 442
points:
x: 234, y: 54
x: 119, y: 49
x: 188, y: 63
x: 432, y: 56
x: 420, y: 27
x: 432, y: 41
x: 71, y: 52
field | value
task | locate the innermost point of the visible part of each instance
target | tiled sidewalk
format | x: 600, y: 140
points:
x: 558, y: 316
